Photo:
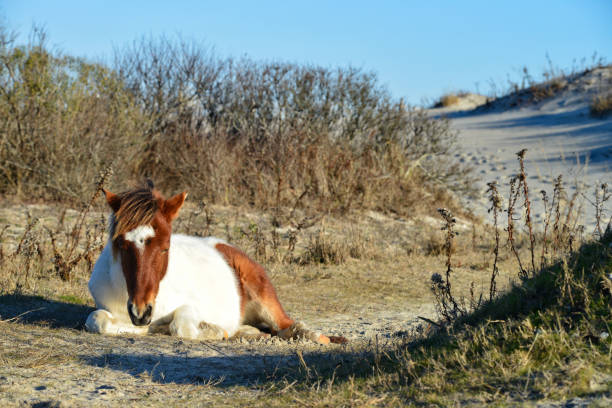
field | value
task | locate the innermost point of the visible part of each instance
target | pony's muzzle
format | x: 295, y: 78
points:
x: 140, y: 316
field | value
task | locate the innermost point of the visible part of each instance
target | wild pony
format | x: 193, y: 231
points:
x: 149, y: 280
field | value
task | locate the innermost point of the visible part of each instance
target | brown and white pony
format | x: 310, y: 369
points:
x: 150, y: 280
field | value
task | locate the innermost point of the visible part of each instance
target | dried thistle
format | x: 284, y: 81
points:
x: 496, y: 207
x: 602, y: 194
x: 512, y: 198
x: 558, y: 197
x: 447, y: 306
x: 546, y: 223
x: 527, y: 205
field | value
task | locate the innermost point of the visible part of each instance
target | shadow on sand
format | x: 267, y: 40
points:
x: 222, y: 366
x: 226, y: 370
x: 38, y: 310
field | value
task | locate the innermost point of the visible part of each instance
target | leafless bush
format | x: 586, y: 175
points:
x: 271, y: 135
x: 61, y: 120
x: 278, y: 134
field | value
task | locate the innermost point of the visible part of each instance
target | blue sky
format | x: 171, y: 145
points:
x: 419, y: 49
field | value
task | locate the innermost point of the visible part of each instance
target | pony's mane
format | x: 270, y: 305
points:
x: 138, y: 207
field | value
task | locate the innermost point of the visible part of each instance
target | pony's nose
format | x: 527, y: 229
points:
x: 140, y: 316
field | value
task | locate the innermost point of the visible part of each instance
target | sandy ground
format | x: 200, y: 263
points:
x: 47, y: 359
x: 559, y: 134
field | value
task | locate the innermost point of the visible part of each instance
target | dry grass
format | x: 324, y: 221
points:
x: 447, y: 100
x: 234, y: 132
x: 530, y: 88
x: 601, y: 105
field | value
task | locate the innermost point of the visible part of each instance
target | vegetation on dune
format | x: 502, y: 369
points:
x: 265, y: 134
x: 548, y: 338
x: 531, y: 88
x: 601, y: 105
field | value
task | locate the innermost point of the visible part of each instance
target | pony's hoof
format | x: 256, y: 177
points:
x: 98, y: 322
x: 212, y: 332
x: 298, y: 330
x: 184, y: 330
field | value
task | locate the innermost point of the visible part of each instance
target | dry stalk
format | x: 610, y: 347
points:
x: 496, y: 207
x: 26, y: 249
x: 558, y: 196
x: 602, y: 194
x: 67, y: 256
x: 527, y: 205
x: 513, y: 197
x: 547, y: 215
x: 569, y: 213
x: 447, y: 306
x: 1, y: 243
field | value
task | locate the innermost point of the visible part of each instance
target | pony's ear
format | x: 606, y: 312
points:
x: 113, y: 200
x: 173, y: 205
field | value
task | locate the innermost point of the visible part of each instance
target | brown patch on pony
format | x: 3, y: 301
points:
x: 254, y: 286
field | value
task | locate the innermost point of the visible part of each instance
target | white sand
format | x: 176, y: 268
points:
x: 560, y: 135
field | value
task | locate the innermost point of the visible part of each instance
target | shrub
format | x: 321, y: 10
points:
x: 271, y: 135
x: 63, y: 120
x: 280, y: 134
x: 447, y: 100
x: 601, y: 105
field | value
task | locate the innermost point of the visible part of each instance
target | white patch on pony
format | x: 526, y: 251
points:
x: 138, y: 236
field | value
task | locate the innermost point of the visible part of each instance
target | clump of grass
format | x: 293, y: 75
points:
x: 323, y: 249
x: 601, y: 105
x: 24, y: 261
x: 447, y: 100
x: 546, y: 339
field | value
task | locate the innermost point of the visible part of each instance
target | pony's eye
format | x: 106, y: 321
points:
x: 148, y: 241
x: 164, y: 250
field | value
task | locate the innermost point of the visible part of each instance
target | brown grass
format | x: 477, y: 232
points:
x: 235, y: 132
x: 447, y: 100
x: 601, y: 105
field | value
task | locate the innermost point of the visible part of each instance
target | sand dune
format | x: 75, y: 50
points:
x: 559, y: 133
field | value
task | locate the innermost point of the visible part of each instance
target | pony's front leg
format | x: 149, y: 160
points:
x: 102, y: 321
x: 186, y: 324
